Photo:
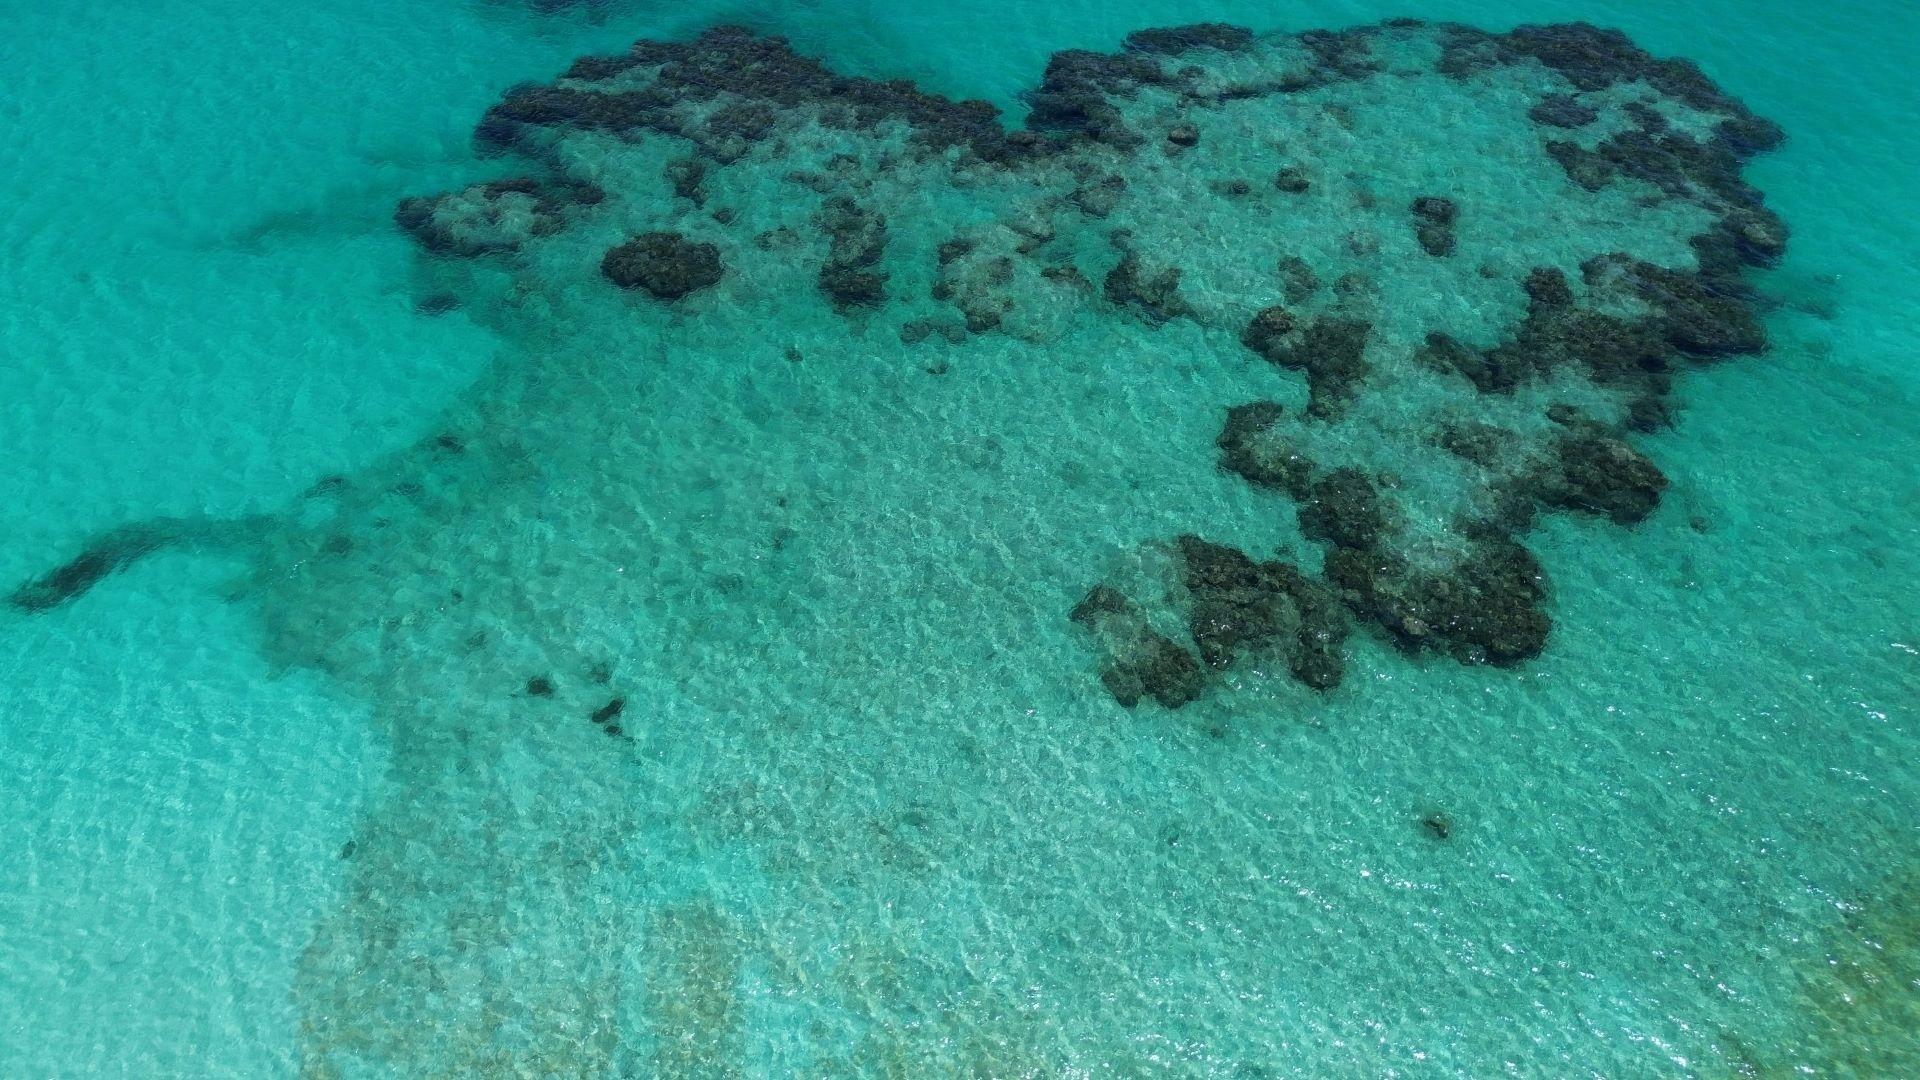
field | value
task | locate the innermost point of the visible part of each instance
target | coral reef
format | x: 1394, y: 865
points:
x: 665, y: 264
x: 1454, y: 388
x: 1210, y: 233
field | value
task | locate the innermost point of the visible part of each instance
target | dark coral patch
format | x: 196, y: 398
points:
x: 1343, y: 509
x: 1143, y: 662
x: 1234, y: 608
x: 1249, y: 447
x: 687, y: 177
x: 1548, y: 285
x: 1240, y: 606
x: 497, y: 216
x: 1157, y: 668
x: 1292, y: 179
x: 1155, y: 294
x: 1331, y: 350
x: 856, y: 241
x: 1237, y: 603
x: 1488, y: 608
x: 1075, y: 96
x: 1562, y: 111
x: 1174, y: 40
x: 1595, y: 472
x: 1485, y: 445
x: 665, y: 264
x: 1433, y: 217
x: 1297, y: 280
x: 437, y: 304
x: 760, y: 77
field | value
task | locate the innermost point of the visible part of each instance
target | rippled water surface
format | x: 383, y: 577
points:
x: 958, y: 602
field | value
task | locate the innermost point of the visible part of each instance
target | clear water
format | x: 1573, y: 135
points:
x: 876, y: 816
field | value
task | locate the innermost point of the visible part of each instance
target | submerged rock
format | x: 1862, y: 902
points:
x: 666, y: 264
x: 1155, y: 294
x: 1142, y: 662
x: 1250, y: 448
x: 1597, y: 473
x: 1434, y: 216
x: 856, y: 240
x: 493, y: 217
x: 1292, y: 179
x: 1331, y: 350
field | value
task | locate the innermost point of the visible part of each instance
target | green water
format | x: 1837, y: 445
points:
x: 280, y: 809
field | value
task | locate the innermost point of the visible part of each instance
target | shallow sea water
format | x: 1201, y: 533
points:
x: 876, y: 816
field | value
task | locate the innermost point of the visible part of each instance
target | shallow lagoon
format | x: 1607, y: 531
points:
x: 873, y: 811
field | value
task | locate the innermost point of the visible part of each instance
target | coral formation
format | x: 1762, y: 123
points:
x: 665, y: 264
x: 1453, y: 388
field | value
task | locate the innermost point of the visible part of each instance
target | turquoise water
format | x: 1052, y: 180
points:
x: 281, y: 808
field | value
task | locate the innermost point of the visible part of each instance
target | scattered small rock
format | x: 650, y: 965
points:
x: 1292, y: 179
